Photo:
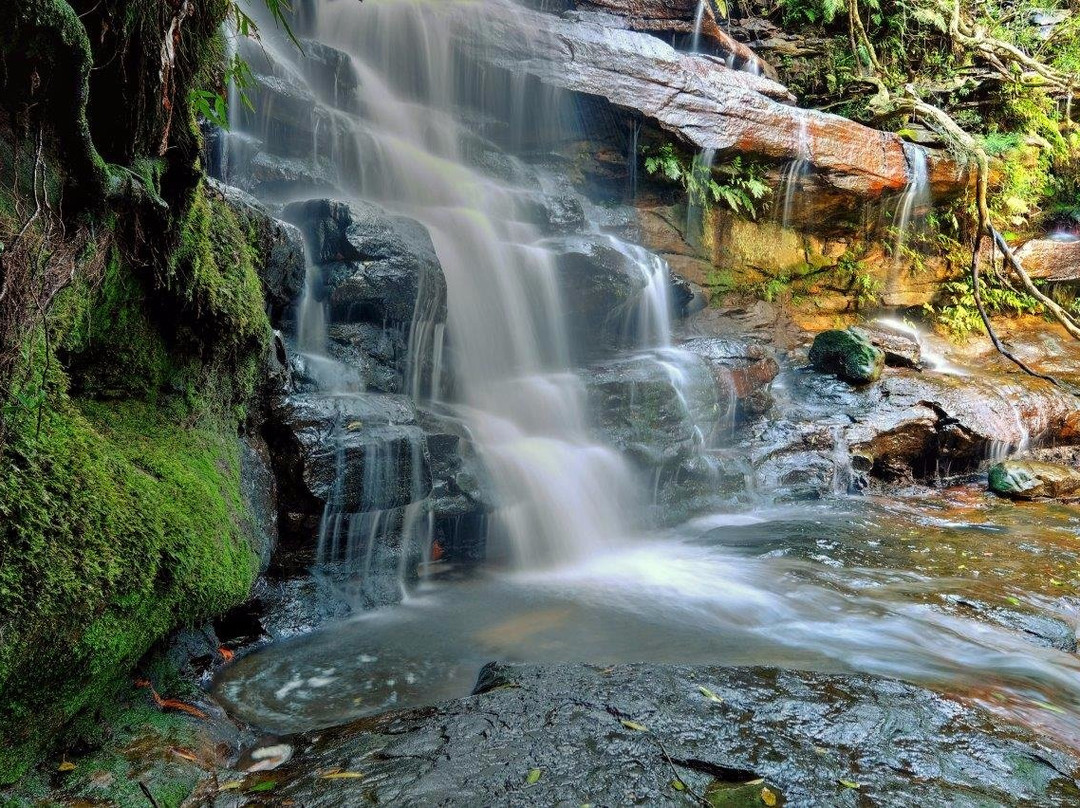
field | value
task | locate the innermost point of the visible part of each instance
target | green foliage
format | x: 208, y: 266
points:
x: 855, y: 277
x: 121, y: 515
x: 959, y: 314
x: 736, y: 184
x: 212, y: 105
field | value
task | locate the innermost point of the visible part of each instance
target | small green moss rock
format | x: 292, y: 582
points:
x: 847, y: 355
x: 1031, y: 479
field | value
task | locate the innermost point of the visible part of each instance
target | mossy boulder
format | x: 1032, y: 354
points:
x: 1032, y: 479
x: 122, y: 510
x: 847, y: 355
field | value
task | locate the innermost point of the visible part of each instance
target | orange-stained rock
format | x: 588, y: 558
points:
x: 698, y: 98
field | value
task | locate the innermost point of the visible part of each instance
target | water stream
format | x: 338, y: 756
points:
x: 843, y: 584
x: 915, y: 197
x: 795, y: 173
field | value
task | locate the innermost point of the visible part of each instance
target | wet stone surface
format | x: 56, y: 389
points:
x: 573, y: 735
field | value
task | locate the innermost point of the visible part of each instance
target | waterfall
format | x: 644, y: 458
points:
x: 702, y: 169
x: 415, y: 150
x: 795, y: 173
x: 916, y: 195
x: 699, y: 21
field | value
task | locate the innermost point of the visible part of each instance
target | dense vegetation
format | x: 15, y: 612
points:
x: 133, y: 328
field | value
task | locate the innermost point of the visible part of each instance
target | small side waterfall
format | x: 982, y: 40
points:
x: 702, y: 168
x: 795, y: 173
x: 916, y: 196
x: 699, y: 21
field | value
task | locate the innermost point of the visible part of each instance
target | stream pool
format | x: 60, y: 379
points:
x: 956, y: 590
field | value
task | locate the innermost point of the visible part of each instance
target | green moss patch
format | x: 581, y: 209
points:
x: 118, y: 525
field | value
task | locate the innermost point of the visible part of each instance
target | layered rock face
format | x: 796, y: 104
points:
x: 707, y: 104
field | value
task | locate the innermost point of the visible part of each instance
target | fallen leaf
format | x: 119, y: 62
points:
x: 341, y: 776
x: 355, y: 425
x: 768, y: 796
x: 709, y: 694
x: 265, y: 785
x: 848, y: 784
x: 185, y: 754
x: 231, y: 785
x: 1048, y: 706
x: 634, y: 725
x: 678, y: 785
x: 534, y: 776
x: 226, y: 654
x: 66, y: 766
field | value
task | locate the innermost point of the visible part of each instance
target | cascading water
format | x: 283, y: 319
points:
x: 564, y: 495
x: 916, y: 196
x: 699, y: 21
x: 795, y: 174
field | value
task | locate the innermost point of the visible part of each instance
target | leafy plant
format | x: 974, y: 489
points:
x: 737, y: 184
x: 213, y: 105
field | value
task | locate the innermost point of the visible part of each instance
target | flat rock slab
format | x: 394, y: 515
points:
x: 577, y: 734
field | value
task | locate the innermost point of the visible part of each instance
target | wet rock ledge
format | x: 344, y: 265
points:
x: 659, y: 735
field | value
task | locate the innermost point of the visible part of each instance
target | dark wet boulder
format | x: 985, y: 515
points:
x: 279, y: 249
x: 847, y: 355
x: 331, y: 74
x: 376, y: 267
x: 1033, y: 479
x: 363, y: 451
x: 349, y: 453
x: 379, y: 354
x: 910, y: 426
x: 580, y: 734
x: 658, y: 407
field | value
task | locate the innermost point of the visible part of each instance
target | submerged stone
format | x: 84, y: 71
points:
x: 848, y: 355
x: 1032, y: 479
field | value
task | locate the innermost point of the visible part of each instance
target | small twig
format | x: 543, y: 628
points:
x: 675, y: 772
x: 977, y: 293
x: 148, y: 795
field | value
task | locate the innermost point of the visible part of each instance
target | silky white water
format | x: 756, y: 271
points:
x: 916, y: 196
x: 795, y: 174
x: 413, y: 150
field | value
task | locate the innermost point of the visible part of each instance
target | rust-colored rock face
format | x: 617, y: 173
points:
x: 696, y: 97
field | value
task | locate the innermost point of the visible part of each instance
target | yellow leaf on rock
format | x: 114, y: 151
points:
x: 66, y: 766
x: 634, y: 725
x: 341, y: 776
x: 849, y: 784
x: 232, y: 785
x: 534, y: 776
x: 768, y: 796
x: 709, y: 694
